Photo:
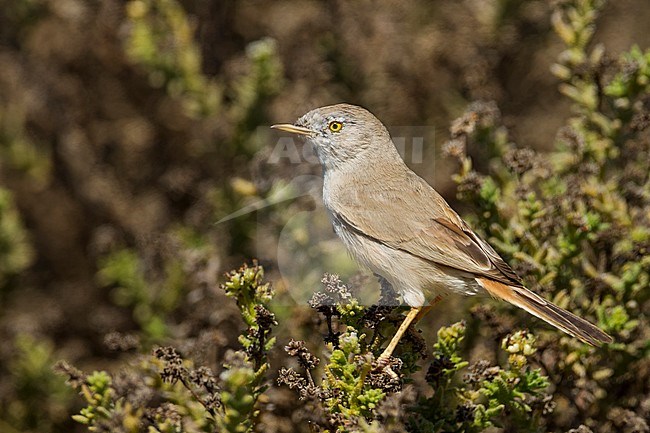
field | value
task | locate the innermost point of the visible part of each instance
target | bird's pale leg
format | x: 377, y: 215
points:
x: 398, y: 335
x: 424, y: 310
x: 414, y: 315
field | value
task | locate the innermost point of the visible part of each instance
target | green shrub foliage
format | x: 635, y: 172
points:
x: 128, y: 128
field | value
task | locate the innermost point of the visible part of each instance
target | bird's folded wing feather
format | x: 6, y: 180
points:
x: 425, y: 226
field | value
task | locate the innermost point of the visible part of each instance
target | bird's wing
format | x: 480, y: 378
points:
x: 423, y: 225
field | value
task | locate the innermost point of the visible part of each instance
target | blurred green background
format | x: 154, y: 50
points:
x: 129, y: 128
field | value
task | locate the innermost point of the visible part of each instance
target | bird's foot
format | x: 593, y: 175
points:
x: 385, y: 364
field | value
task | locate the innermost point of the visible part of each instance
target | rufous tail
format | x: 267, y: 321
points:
x: 547, y: 311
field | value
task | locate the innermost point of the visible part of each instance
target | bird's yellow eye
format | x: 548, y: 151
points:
x: 335, y: 126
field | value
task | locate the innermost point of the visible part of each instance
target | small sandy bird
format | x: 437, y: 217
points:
x: 396, y: 224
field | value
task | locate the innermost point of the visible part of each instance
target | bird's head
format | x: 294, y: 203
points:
x: 341, y: 133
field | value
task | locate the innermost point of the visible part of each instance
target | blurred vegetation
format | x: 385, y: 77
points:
x: 16, y: 252
x: 161, y: 39
x: 166, y: 393
x: 127, y: 129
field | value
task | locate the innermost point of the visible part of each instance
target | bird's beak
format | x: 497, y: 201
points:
x: 293, y: 129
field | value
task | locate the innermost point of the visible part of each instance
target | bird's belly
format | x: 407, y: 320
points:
x: 418, y: 281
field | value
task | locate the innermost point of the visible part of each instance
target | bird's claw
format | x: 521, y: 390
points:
x: 383, y: 364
